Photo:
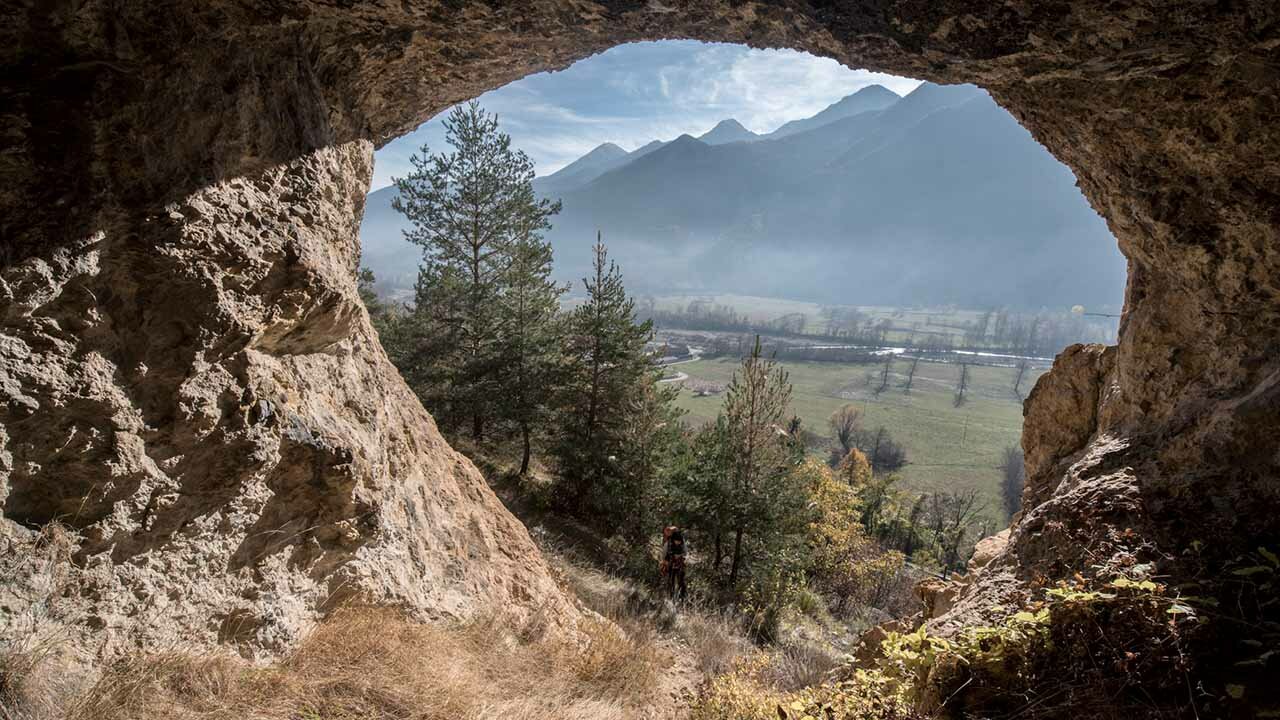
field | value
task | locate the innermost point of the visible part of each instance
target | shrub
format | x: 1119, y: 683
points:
x: 738, y: 694
x: 845, y: 563
x: 773, y: 589
x: 810, y: 603
x: 745, y: 694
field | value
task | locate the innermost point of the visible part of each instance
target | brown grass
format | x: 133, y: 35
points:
x: 716, y: 640
x: 373, y: 663
x: 35, y: 682
x: 799, y: 664
x: 640, y: 661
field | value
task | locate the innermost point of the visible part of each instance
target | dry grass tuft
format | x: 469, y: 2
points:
x: 366, y: 663
x: 35, y: 681
x: 25, y: 685
x: 716, y: 640
x: 799, y: 664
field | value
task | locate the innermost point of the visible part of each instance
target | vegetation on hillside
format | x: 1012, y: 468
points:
x: 489, y: 353
x: 1116, y: 646
x: 790, y: 519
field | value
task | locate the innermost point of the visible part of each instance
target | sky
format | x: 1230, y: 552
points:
x: 639, y: 92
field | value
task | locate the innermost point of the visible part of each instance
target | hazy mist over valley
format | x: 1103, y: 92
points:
x: 936, y: 198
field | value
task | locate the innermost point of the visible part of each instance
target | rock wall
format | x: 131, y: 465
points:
x: 202, y: 400
x: 186, y: 371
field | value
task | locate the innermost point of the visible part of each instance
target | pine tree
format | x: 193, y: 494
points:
x: 382, y: 314
x: 606, y: 365
x: 701, y: 489
x: 390, y: 320
x: 467, y: 208
x: 650, y: 437
x: 755, y: 409
x: 531, y: 337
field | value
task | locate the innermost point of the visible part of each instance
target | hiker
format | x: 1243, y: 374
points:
x: 673, y: 556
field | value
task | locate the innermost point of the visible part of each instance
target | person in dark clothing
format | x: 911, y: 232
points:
x: 673, y: 558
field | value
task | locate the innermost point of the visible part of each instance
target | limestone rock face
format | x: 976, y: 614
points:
x: 202, y: 400
x: 988, y: 549
x: 188, y: 381
x: 1061, y: 415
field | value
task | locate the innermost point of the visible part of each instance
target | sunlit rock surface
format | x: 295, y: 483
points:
x: 203, y: 403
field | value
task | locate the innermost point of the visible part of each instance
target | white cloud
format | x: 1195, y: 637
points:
x: 641, y: 92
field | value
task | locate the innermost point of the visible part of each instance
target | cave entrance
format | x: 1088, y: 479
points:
x: 179, y: 214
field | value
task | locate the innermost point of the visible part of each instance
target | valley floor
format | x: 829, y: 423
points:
x: 949, y: 447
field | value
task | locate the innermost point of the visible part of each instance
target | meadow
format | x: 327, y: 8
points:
x: 948, y: 447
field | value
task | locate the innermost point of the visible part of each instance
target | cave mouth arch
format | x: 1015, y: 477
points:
x: 202, y: 167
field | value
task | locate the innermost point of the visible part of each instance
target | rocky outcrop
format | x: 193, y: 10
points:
x: 189, y: 382
x: 203, y: 403
x: 988, y: 549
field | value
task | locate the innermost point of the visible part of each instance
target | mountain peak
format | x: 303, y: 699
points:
x: 602, y: 158
x: 605, y: 150
x: 727, y: 131
x: 876, y: 89
x: 866, y: 99
x: 931, y: 96
x: 869, y: 92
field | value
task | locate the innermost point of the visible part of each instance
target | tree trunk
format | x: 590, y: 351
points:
x: 737, y: 557
x: 477, y: 427
x: 528, y: 449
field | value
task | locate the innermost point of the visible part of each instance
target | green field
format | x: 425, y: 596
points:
x: 947, y: 446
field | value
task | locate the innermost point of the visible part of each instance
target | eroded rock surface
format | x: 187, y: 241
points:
x: 185, y: 371
x: 203, y: 403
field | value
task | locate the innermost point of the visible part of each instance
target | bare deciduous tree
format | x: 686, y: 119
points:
x: 1013, y: 478
x: 951, y: 517
x: 964, y: 384
x: 845, y: 424
x: 911, y: 374
x: 884, y: 373
x: 1017, y: 382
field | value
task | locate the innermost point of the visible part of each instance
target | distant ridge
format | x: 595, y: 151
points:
x: 600, y: 160
x: 872, y: 97
x: 938, y: 197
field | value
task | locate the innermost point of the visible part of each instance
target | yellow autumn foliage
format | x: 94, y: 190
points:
x: 844, y: 562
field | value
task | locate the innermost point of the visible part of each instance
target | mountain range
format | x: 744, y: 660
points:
x: 937, y: 197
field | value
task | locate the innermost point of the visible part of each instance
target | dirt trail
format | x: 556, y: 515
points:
x: 586, y: 566
x: 678, y: 681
